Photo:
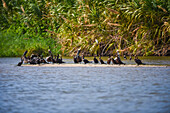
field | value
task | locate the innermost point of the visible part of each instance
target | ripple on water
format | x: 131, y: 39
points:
x: 83, y: 89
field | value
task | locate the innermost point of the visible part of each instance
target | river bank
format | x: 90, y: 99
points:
x: 14, y: 45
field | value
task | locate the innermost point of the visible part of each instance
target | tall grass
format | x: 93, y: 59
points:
x: 133, y: 26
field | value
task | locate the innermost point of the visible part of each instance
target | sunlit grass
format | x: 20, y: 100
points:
x: 136, y: 27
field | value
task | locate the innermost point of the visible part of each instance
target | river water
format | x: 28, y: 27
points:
x: 84, y: 89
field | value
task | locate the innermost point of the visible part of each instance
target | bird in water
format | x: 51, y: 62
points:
x: 109, y: 60
x: 86, y: 61
x: 20, y: 63
x: 138, y: 61
x: 95, y: 60
x: 101, y: 61
x: 77, y: 58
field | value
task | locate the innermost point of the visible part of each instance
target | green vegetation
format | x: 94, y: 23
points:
x: 13, y: 44
x: 96, y: 26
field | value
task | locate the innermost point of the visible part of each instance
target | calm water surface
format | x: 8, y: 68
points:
x: 84, y: 89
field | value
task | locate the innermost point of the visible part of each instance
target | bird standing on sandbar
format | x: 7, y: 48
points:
x: 95, y: 60
x: 77, y: 58
x: 20, y: 63
x: 86, y: 61
x: 109, y: 60
x: 113, y: 61
x: 59, y: 60
x: 101, y: 61
x: 50, y: 58
x: 117, y: 59
x: 138, y: 61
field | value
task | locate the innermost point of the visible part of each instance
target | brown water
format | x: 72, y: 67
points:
x: 85, y: 89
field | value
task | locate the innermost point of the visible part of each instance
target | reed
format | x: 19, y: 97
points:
x: 133, y: 26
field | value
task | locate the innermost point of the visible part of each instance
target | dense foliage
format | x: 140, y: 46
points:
x: 96, y: 26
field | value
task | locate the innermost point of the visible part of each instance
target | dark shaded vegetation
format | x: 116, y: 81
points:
x: 96, y: 26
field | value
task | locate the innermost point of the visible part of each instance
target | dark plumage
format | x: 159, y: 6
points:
x: 77, y: 58
x: 25, y: 53
x: 118, y: 60
x: 109, y: 60
x: 59, y: 60
x: 20, y: 63
x: 138, y: 61
x: 86, y: 61
x: 101, y: 61
x: 38, y: 61
x: 42, y: 60
x: 50, y: 58
x: 95, y: 60
x: 33, y: 55
x: 50, y: 52
x: 33, y: 61
x: 113, y: 61
x: 53, y: 61
x: 25, y: 59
